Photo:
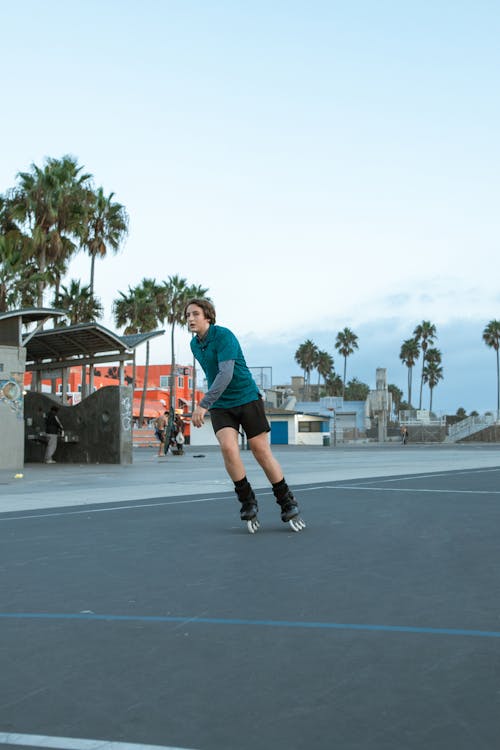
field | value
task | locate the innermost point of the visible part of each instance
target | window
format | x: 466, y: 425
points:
x: 310, y: 426
x: 180, y: 382
x: 190, y: 384
x: 164, y: 381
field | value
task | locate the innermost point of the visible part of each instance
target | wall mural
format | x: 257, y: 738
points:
x: 126, y: 413
x: 11, y: 394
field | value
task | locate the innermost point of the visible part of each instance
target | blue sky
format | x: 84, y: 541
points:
x: 315, y: 165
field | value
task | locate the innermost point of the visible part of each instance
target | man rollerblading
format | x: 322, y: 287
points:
x: 235, y: 403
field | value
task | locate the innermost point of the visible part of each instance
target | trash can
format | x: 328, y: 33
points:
x: 326, y: 439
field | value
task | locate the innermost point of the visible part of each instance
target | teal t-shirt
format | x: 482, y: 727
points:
x: 219, y: 345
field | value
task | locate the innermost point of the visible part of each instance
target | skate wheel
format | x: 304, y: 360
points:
x: 253, y: 525
x: 297, y: 524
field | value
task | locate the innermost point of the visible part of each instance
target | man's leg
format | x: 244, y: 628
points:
x: 263, y: 454
x: 51, y: 447
x: 259, y: 445
x: 228, y: 441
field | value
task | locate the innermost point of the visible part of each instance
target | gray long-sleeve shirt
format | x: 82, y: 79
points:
x: 221, y: 382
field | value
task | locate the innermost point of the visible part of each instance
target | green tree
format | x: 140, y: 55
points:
x: 409, y: 354
x: 17, y: 281
x: 345, y: 343
x: 48, y: 205
x: 425, y: 333
x: 139, y: 311
x: 106, y: 226
x: 80, y: 303
x: 176, y: 293
x: 433, y: 373
x: 194, y: 292
x: 491, y: 337
x: 397, y: 397
x: 333, y: 384
x: 461, y: 412
x: 356, y: 390
x: 18, y: 276
x: 324, y: 366
x: 305, y: 356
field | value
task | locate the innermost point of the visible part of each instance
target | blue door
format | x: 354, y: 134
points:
x: 279, y: 433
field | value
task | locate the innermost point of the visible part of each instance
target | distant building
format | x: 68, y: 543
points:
x: 158, y: 386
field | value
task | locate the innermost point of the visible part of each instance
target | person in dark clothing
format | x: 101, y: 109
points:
x: 53, y: 428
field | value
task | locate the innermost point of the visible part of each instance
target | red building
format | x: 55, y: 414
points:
x: 157, y: 391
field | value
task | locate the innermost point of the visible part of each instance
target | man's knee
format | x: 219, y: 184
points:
x: 260, y: 449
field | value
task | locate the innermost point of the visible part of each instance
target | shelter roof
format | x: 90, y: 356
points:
x: 132, y: 340
x: 32, y: 314
x: 69, y: 343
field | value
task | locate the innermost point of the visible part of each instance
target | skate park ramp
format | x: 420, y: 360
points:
x: 161, y: 621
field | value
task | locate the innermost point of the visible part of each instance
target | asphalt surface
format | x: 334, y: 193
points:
x: 134, y: 615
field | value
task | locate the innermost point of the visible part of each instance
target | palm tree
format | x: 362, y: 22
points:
x: 409, y: 354
x: 140, y: 311
x: 175, y: 293
x: 397, y: 397
x: 425, y: 333
x: 194, y: 292
x: 491, y: 337
x: 333, y: 384
x: 324, y: 366
x: 433, y: 373
x: 345, y: 343
x: 305, y: 356
x: 49, y: 204
x: 81, y: 304
x: 106, y: 226
x: 356, y: 390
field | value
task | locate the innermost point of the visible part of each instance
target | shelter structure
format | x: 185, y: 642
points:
x: 12, y: 367
x: 99, y: 428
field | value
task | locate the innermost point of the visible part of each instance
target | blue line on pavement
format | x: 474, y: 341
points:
x: 237, y: 621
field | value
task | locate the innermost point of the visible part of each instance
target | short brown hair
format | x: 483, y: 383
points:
x: 205, y: 304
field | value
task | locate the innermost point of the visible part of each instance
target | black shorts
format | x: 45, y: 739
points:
x: 251, y: 417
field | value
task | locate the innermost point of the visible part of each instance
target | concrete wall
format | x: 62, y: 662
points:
x: 12, y: 362
x: 489, y: 435
x: 426, y: 433
x: 97, y: 430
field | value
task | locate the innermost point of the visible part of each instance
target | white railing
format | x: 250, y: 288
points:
x: 437, y: 421
x: 469, y: 426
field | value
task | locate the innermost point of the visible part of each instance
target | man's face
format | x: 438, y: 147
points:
x: 196, y: 321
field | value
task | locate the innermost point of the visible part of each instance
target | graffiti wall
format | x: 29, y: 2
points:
x: 12, y: 361
x: 97, y: 430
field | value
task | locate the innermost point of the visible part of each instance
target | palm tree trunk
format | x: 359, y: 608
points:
x: 41, y: 282
x: 422, y: 379
x: 409, y: 386
x: 173, y: 381
x: 145, y: 386
x: 193, y: 396
x: 92, y: 263
x: 345, y: 372
x: 498, y: 387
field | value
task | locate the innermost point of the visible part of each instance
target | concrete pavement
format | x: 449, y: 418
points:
x: 201, y: 471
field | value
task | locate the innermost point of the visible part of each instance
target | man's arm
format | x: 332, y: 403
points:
x: 221, y: 382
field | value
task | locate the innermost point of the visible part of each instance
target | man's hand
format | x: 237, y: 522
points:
x: 198, y: 416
